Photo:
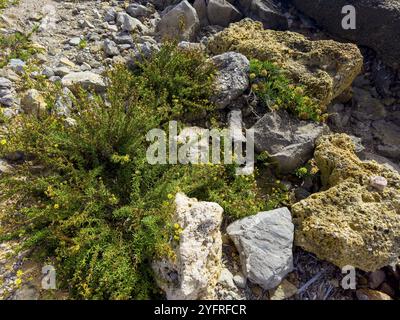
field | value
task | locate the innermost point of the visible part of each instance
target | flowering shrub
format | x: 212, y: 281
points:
x: 275, y: 91
x: 84, y: 193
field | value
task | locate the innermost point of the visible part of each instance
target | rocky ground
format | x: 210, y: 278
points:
x: 358, y: 84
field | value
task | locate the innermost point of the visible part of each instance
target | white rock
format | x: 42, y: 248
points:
x: 379, y: 183
x: 195, y: 271
x: 232, y: 78
x: 181, y: 23
x: 86, y: 79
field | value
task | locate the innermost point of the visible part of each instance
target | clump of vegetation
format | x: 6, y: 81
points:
x: 301, y: 172
x: 6, y: 3
x: 85, y: 194
x: 276, y: 91
x: 183, y: 81
x: 16, y: 46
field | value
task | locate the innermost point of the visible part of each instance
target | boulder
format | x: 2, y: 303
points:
x: 129, y: 24
x: 201, y: 9
x: 269, y: 12
x: 289, y: 141
x: 86, y: 79
x: 264, y: 242
x: 232, y: 78
x: 196, y: 269
x: 222, y: 13
x: 325, y: 68
x: 33, y: 102
x: 110, y: 48
x: 137, y: 10
x: 372, y: 30
x: 350, y: 222
x: 181, y: 23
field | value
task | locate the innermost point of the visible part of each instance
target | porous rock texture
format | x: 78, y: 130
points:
x: 350, y: 222
x: 195, y: 271
x: 326, y: 68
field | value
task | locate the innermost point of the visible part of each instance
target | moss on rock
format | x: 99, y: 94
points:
x: 350, y: 223
x: 326, y: 68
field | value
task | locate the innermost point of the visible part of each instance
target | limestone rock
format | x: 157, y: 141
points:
x: 86, y: 79
x: 289, y: 142
x: 325, y: 68
x: 222, y: 13
x: 33, y: 102
x: 181, y: 23
x: 129, y: 23
x: 284, y: 291
x: 264, y: 242
x: 350, y: 222
x: 232, y: 78
x: 196, y: 269
x: 201, y: 9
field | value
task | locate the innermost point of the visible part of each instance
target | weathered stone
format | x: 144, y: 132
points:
x: 284, y: 291
x: 196, y: 269
x: 325, y: 68
x: 75, y: 41
x: 86, y: 79
x: 110, y: 48
x: 137, y: 10
x: 5, y: 83
x: 232, y: 78
x: 17, y: 65
x: 33, y: 102
x: 264, y: 242
x: 370, y: 31
x: 181, y: 23
x: 110, y: 15
x: 130, y: 24
x: 379, y: 183
x: 350, y: 222
x: 222, y: 13
x: 27, y: 292
x: 240, y: 280
x: 201, y: 9
x: 289, y: 142
x: 368, y: 294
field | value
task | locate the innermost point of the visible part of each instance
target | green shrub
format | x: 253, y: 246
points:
x: 275, y: 91
x: 183, y: 80
x: 16, y: 46
x: 85, y: 193
x: 6, y: 3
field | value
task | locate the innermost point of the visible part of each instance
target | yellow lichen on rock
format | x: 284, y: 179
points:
x: 326, y: 68
x: 350, y: 222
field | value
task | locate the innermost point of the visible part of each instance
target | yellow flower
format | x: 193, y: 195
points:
x: 176, y: 225
x: 20, y: 273
x: 56, y: 206
x: 3, y: 142
x: 18, y: 281
x: 176, y: 238
x: 170, y: 196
